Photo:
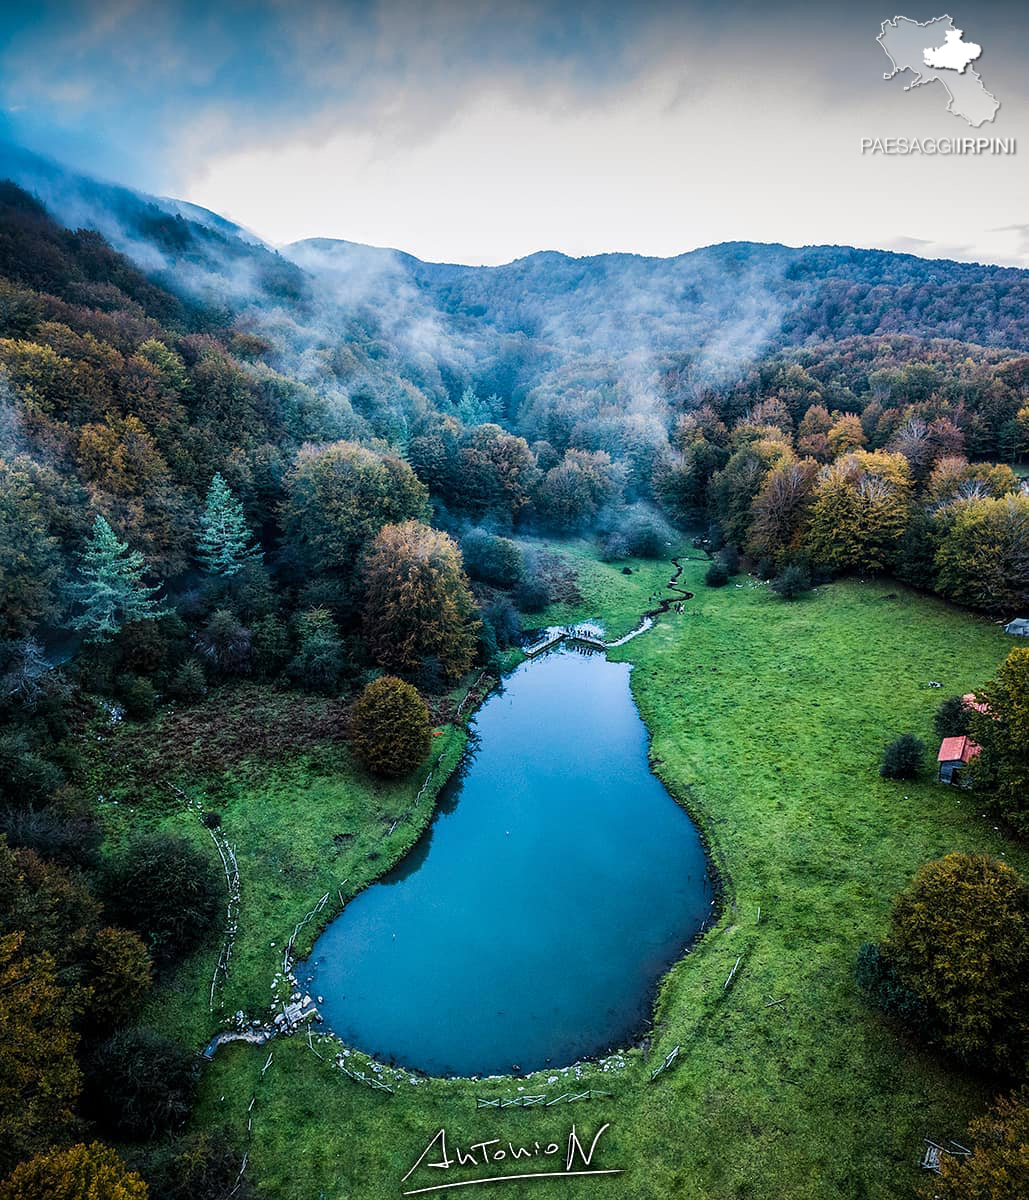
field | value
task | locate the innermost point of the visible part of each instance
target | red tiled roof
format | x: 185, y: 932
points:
x: 957, y: 749
x: 971, y: 702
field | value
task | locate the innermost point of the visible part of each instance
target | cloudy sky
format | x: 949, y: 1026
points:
x: 478, y: 131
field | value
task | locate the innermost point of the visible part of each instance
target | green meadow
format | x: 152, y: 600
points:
x: 768, y: 721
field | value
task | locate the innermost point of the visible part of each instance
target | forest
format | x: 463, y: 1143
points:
x: 331, y: 472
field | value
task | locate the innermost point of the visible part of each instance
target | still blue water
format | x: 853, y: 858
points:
x: 532, y: 922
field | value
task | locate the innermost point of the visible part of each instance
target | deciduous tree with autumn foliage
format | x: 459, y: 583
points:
x: 417, y: 601
x: 389, y: 729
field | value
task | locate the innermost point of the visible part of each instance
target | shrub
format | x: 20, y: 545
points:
x: 196, y: 1166
x: 430, y: 678
x: 503, y: 618
x: 959, y: 939
x: 120, y: 977
x: 717, y: 575
x: 491, y: 559
x: 138, y: 696
x: 645, y: 533
x: 729, y: 557
x: 140, y: 1084
x: 997, y: 1167
x: 1003, y: 733
x: 318, y: 664
x: 390, y: 730
x: 211, y: 820
x: 878, y: 979
x: 793, y: 581
x: 69, y: 838
x: 903, y: 758
x: 93, y: 1172
x: 147, y: 646
x: 189, y: 684
x: 166, y: 889
x: 225, y: 644
x: 951, y: 719
x: 614, y: 547
x: 487, y: 650
x: 25, y: 776
x: 271, y: 646
x: 532, y: 595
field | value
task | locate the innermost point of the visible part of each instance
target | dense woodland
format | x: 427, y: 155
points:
x: 313, y: 472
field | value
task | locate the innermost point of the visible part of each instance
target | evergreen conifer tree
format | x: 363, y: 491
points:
x: 224, y: 543
x: 110, y: 586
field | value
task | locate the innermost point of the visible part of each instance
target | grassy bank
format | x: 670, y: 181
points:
x: 768, y: 720
x: 311, y: 824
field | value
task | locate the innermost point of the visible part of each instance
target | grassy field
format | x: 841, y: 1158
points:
x: 311, y: 825
x: 768, y: 721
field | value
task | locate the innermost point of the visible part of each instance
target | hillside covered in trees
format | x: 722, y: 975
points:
x: 316, y: 469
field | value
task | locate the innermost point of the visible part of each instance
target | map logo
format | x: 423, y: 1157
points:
x: 935, y: 52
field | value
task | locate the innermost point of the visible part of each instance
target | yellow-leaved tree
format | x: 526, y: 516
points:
x: 417, y: 601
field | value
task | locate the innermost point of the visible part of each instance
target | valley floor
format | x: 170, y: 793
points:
x: 768, y: 721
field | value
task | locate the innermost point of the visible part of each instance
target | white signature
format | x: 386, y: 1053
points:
x: 492, y: 1152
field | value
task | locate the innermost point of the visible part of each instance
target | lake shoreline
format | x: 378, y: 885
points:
x: 717, y: 877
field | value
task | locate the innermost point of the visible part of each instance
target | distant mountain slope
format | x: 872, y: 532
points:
x: 508, y: 329
x: 753, y: 292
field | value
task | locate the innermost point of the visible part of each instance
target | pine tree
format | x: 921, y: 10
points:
x: 110, y: 589
x: 224, y: 543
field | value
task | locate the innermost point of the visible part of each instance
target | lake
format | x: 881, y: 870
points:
x: 530, y: 925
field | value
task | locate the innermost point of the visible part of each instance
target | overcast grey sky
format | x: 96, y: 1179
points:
x: 479, y: 132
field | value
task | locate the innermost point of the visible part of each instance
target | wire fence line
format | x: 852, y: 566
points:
x: 227, y: 854
x: 669, y: 1059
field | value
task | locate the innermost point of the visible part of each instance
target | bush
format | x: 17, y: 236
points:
x: 211, y: 820
x: 532, y: 595
x: 729, y: 557
x: 138, y: 696
x: 877, y: 978
x: 390, y: 730
x: 197, y: 1166
x: 487, y: 651
x: 996, y: 1168
x: 717, y: 575
x: 903, y: 758
x: 271, y: 646
x: 430, y: 678
x: 189, y: 684
x: 166, y: 889
x: 503, y: 618
x: 146, y: 647
x: 951, y: 719
x: 646, y: 534
x: 318, y: 664
x: 792, y: 582
x: 25, y: 776
x: 71, y: 839
x: 93, y: 1172
x: 225, y: 645
x: 959, y: 939
x: 140, y: 1084
x: 120, y: 977
x: 614, y: 547
x: 491, y: 559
